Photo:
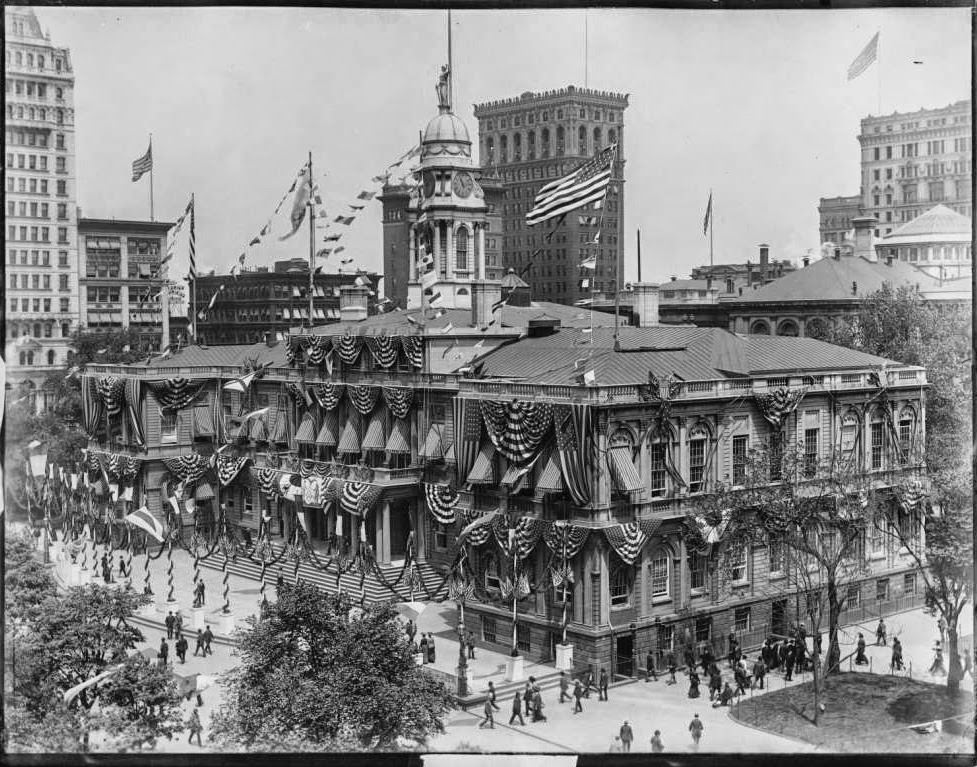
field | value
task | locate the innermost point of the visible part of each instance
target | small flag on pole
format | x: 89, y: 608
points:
x: 864, y: 59
x: 143, y: 518
x: 143, y: 164
x: 587, y: 184
x: 708, y: 219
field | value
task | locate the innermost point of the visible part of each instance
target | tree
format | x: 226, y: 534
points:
x: 27, y: 582
x: 318, y: 671
x: 816, y: 516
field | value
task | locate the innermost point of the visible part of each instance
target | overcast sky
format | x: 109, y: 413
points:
x: 752, y: 104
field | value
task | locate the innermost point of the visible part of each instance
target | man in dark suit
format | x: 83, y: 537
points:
x: 170, y: 621
x: 164, y: 652
x: 208, y: 638
x: 516, y: 709
x: 602, y: 685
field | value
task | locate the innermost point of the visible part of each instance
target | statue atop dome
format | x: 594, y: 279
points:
x: 443, y: 89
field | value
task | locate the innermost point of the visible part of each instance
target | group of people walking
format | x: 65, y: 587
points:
x: 174, y: 630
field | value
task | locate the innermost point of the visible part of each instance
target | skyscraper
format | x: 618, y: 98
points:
x: 41, y: 240
x: 535, y: 138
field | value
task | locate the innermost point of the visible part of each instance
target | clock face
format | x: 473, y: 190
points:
x: 462, y: 184
x: 428, y: 184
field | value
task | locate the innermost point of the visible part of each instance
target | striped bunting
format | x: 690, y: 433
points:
x: 349, y: 347
x: 441, y: 502
x: 359, y: 497
x: 363, y: 397
x: 627, y: 540
x: 585, y: 185
x: 229, y: 468
x: 175, y: 393
x: 398, y: 399
x: 187, y: 468
x: 565, y: 540
x: 516, y: 428
x: 112, y: 391
x: 413, y: 348
x: 384, y: 350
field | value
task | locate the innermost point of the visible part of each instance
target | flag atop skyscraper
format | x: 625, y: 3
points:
x: 708, y: 218
x: 864, y: 59
x: 586, y: 184
x: 143, y: 164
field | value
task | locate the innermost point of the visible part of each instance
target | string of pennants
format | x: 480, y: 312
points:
x: 385, y: 350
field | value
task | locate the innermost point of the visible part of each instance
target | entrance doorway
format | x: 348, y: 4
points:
x: 778, y: 617
x: 400, y: 528
x: 625, y: 655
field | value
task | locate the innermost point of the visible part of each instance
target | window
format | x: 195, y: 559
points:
x: 657, y: 469
x: 737, y: 565
x: 740, y: 444
x: 853, y: 598
x: 620, y: 585
x: 658, y: 571
x: 461, y: 249
x: 488, y: 629
x: 703, y: 629
x: 65, y: 308
x: 741, y: 619
x: 697, y: 570
x: 523, y: 637
x: 63, y: 282
x: 492, y: 574
x: 582, y: 140
x: 909, y: 583
x: 882, y: 589
x: 849, y: 435
x: 811, y: 451
x: 440, y: 536
x: 777, y: 552
x: 665, y: 639
x: 697, y: 458
x: 167, y: 426
x: 905, y: 434
x: 877, y: 444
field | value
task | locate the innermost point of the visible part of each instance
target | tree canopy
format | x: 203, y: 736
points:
x: 322, y: 674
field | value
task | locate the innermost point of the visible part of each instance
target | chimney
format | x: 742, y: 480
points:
x: 352, y: 303
x: 854, y: 288
x: 749, y: 274
x: 674, y: 278
x: 708, y: 283
x: 806, y: 260
x: 485, y: 293
x: 864, y: 230
x: 645, y: 303
x: 764, y: 261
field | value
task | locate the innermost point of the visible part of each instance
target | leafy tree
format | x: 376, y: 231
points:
x: 27, y: 582
x: 317, y: 671
x: 815, y: 515
x: 58, y: 730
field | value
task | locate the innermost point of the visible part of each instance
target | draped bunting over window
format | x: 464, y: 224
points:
x: 310, y: 468
x: 573, y: 440
x: 441, y: 502
x: 316, y: 348
x: 119, y: 467
x: 349, y: 347
x: 623, y: 472
x: 627, y: 540
x: 187, y: 468
x: 175, y: 393
x: 528, y: 532
x: 413, y: 348
x: 328, y: 394
x: 701, y: 534
x: 228, y: 468
x: 398, y: 399
x: 467, y: 420
x: 775, y: 406
x: 478, y: 527
x: 111, y: 390
x: 516, y: 428
x: 267, y: 481
x: 359, y: 497
x: 364, y: 398
x: 565, y: 540
x: 664, y: 391
x: 910, y: 494
x: 92, y: 406
x: 384, y: 349
x: 880, y: 380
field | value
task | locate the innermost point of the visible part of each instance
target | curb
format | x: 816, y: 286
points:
x: 757, y: 728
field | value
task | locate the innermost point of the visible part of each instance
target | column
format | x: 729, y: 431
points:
x: 450, y: 245
x: 124, y: 303
x: 412, y: 252
x: 436, y: 245
x: 605, y: 585
x: 383, y: 533
x: 683, y: 598
x: 480, y: 262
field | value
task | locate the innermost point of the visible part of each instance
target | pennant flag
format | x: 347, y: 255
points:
x: 452, y: 345
x: 429, y: 279
x: 356, y: 207
x: 380, y: 179
x: 365, y: 195
x: 299, y: 204
x: 864, y: 59
x: 585, y: 185
x: 499, y: 304
x: 324, y: 253
x: 585, y: 283
x: 332, y: 238
x: 213, y: 300
x: 255, y: 241
x: 144, y: 164
x: 590, y: 263
x: 590, y: 378
x: 528, y: 267
x: 480, y: 344
x: 241, y: 259
x: 360, y: 282
x: 708, y: 219
x: 33, y: 443
x: 143, y: 518
x: 345, y: 220
x: 253, y: 414
x: 240, y: 384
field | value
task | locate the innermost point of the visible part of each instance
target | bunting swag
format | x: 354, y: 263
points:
x: 565, y: 540
x: 441, y: 502
x: 229, y: 468
x: 175, y: 393
x: 311, y: 468
x: 298, y: 396
x: 467, y: 421
x: 779, y: 404
x: 413, y: 348
x: 384, y: 350
x: 478, y: 527
x: 134, y: 408
x: 328, y: 394
x: 111, y: 390
x: 364, y: 398
x: 119, y: 467
x: 187, y: 468
x: 92, y: 406
x: 627, y: 540
x: 316, y: 348
x: 359, y: 497
x: 663, y: 391
x: 398, y: 399
x: 267, y: 481
x: 528, y: 532
x: 516, y: 428
x: 349, y: 347
x: 290, y: 346
x: 572, y: 423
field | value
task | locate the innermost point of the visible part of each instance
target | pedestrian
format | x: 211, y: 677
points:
x: 489, y: 715
x: 695, y: 727
x: 602, y: 685
x: 689, y: 658
x: 588, y: 683
x: 471, y: 645
x: 181, y: 647
x: 627, y: 736
x: 164, y: 652
x: 731, y: 645
x: 178, y: 623
x: 411, y: 630
x: 880, y: 633
x: 122, y: 567
x: 280, y: 583
x: 782, y: 654
x: 195, y: 727
x: 201, y: 588
x: 693, y: 684
x: 169, y: 621
x: 715, y: 681
x: 200, y: 644
x: 896, y: 663
x: 671, y: 669
x: 941, y: 625
x: 538, y: 706
x: 516, y: 709
x: 208, y: 638
x: 725, y: 696
x: 707, y: 659
x: 564, y: 686
x: 491, y: 695
x: 968, y: 665
x: 789, y: 664
x: 652, y: 672
x: 937, y: 666
x: 860, y: 659
x: 430, y: 647
x: 759, y: 671
x: 657, y: 746
x: 527, y: 698
x: 423, y: 648
x: 577, y: 695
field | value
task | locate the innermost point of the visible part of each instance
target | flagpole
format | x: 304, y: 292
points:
x: 193, y: 268
x: 152, y: 216
x: 311, y: 241
x: 878, y: 68
x: 712, y: 224
x: 639, y: 255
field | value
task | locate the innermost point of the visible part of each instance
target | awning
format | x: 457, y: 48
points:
x: 399, y: 439
x: 279, y: 431
x: 375, y: 439
x: 320, y: 314
x: 482, y: 472
x: 350, y: 441
x: 623, y: 472
x: 306, y: 431
x: 334, y: 314
x: 515, y: 477
x: 329, y: 433
x: 115, y: 317
x: 287, y: 313
x: 433, y: 447
x: 204, y: 492
x: 549, y: 478
x: 203, y: 423
x: 257, y: 430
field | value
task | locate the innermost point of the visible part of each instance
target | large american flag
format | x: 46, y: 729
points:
x: 586, y: 184
x: 143, y: 164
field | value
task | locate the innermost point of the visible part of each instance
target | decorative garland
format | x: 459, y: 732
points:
x: 562, y: 537
x: 528, y: 532
x: 777, y: 405
x: 290, y: 347
x: 120, y: 467
x: 477, y: 536
x: 267, y: 481
x: 441, y: 502
x: 111, y: 390
x: 384, y: 349
x: 175, y: 393
x: 229, y: 468
x: 413, y: 348
x: 297, y: 394
x: 349, y: 347
x: 627, y: 540
x: 517, y: 428
x: 359, y: 497
x: 363, y: 397
x: 316, y: 348
x: 328, y: 394
x: 187, y: 468
x: 398, y: 399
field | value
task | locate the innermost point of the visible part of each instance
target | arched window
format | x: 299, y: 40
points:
x: 850, y: 426
x: 461, y: 249
x: 561, y: 145
x: 907, y: 433
x: 597, y: 140
x: 23, y: 359
x: 490, y: 151
x: 48, y: 329
x: 760, y: 328
x: 659, y: 574
x: 531, y: 145
x: 698, y: 449
x: 582, y: 140
x: 37, y: 330
x: 620, y: 583
x: 787, y: 328
x: 504, y: 149
x: 517, y: 147
x: 50, y: 357
x: 545, y: 143
x: 40, y: 62
x: 492, y: 574
x: 612, y: 136
x: 816, y: 327
x: 30, y: 358
x: 13, y: 330
x: 59, y: 116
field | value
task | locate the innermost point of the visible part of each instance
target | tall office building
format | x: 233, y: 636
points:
x: 535, y: 138
x: 41, y: 272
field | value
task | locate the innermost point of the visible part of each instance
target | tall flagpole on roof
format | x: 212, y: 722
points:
x: 311, y: 240
x: 451, y: 78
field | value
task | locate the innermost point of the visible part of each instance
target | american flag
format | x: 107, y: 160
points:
x: 586, y: 184
x: 864, y: 59
x: 143, y: 164
x: 192, y: 240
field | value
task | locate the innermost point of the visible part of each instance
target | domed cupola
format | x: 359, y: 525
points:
x: 446, y: 139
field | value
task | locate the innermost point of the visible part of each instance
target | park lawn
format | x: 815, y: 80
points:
x: 866, y: 713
